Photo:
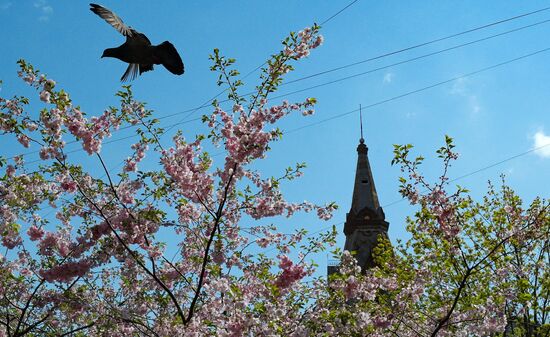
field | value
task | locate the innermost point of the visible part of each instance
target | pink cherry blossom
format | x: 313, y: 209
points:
x: 24, y: 140
x: 45, y: 96
x: 35, y: 233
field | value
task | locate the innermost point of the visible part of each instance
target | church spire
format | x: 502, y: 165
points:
x: 365, y: 221
x: 364, y: 190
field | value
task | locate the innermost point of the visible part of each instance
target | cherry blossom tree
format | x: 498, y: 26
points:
x: 103, y: 266
x: 100, y: 268
x: 469, y: 269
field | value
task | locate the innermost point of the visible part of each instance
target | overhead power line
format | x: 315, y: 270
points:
x: 407, y: 60
x: 337, y: 13
x: 389, y: 53
x: 322, y: 23
x: 423, y: 44
x: 422, y: 89
x: 426, y: 88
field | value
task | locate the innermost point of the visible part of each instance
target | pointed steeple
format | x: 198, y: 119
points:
x: 365, y: 220
x: 364, y: 191
x: 364, y: 197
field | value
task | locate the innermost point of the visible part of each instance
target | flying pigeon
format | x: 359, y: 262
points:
x: 137, y: 50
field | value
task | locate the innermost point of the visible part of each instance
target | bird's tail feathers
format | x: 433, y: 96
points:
x: 170, y: 58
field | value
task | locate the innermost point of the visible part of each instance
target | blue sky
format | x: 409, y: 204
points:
x: 493, y: 115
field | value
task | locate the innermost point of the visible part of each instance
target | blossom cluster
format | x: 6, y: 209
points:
x: 290, y: 272
x: 190, y: 175
x: 308, y: 39
x: 130, y: 164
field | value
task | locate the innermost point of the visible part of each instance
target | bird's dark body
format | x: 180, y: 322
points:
x: 138, y: 50
x: 133, y: 54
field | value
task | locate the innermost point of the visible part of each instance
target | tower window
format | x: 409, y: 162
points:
x: 364, y: 181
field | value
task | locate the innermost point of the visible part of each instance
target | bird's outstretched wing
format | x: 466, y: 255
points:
x: 113, y: 20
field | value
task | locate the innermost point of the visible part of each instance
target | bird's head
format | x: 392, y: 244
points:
x: 109, y: 52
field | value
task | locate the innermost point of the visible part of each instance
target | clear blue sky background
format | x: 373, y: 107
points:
x: 493, y: 115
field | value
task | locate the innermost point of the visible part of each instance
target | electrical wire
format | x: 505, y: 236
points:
x: 372, y: 105
x: 405, y: 61
x: 397, y: 63
x: 337, y: 13
x: 390, y: 53
x: 423, y: 44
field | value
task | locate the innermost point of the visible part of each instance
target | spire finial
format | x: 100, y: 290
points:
x: 361, y: 140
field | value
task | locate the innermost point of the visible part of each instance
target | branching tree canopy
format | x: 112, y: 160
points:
x: 101, y: 268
